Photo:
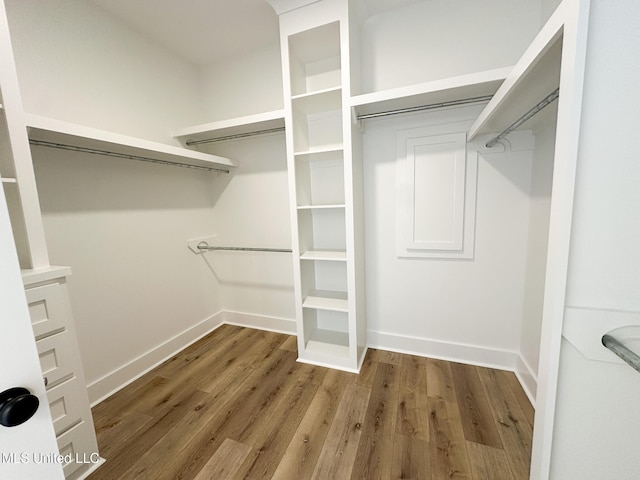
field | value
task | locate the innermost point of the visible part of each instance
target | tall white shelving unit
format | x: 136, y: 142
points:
x: 325, y: 186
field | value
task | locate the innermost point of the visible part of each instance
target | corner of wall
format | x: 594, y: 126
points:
x: 119, y: 378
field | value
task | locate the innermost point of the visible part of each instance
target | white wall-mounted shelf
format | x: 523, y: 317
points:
x: 535, y: 75
x: 247, y: 125
x: 57, y: 132
x: 325, y: 255
x: 472, y: 85
x: 8, y: 180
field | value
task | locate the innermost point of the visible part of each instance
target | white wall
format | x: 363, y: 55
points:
x: 468, y: 310
x: 435, y: 39
x: 537, y: 240
x: 547, y: 7
x: 253, y: 211
x: 122, y: 226
x: 243, y: 86
x: 596, y: 432
x: 77, y: 63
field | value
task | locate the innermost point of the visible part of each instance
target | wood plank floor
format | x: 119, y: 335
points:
x: 237, y: 405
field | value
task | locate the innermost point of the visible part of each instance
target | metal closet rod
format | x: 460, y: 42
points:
x: 533, y: 111
x: 431, y: 106
x: 625, y: 353
x: 234, y: 137
x: 420, y: 108
x: 206, y: 246
x: 93, y: 151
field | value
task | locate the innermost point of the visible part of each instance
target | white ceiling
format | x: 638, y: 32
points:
x: 201, y: 31
x: 206, y: 31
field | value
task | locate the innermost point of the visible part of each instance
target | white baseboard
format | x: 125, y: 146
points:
x: 260, y: 322
x: 527, y: 378
x: 452, y: 352
x: 86, y: 473
x: 119, y: 378
x: 425, y: 347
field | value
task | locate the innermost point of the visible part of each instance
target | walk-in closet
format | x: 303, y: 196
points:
x: 318, y: 238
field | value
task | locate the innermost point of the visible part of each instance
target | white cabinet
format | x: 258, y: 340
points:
x: 325, y: 206
x: 50, y: 313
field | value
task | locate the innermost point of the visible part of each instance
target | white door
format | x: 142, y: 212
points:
x: 27, y: 451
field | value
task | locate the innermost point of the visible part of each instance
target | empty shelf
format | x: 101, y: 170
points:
x: 327, y: 300
x: 52, y: 132
x: 241, y: 126
x: 446, y: 90
x: 534, y: 76
x: 329, y: 255
x: 321, y: 207
x: 326, y: 348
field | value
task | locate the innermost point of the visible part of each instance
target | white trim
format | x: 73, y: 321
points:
x: 119, y: 378
x: 453, y: 352
x: 260, y: 322
x: 405, y: 208
x: 92, y: 469
x: 528, y: 379
x: 477, y: 355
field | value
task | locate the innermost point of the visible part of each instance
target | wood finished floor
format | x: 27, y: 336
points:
x: 237, y: 405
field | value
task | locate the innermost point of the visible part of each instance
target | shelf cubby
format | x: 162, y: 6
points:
x: 317, y: 121
x: 322, y: 229
x: 314, y: 59
x: 326, y: 280
x: 320, y: 178
x: 325, y: 334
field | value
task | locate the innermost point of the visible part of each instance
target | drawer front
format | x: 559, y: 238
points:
x: 56, y: 357
x: 67, y: 403
x: 73, y: 446
x: 49, y: 308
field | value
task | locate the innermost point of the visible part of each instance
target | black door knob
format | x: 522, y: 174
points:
x: 17, y: 405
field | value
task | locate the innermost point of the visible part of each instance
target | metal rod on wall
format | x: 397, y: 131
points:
x: 626, y: 354
x: 431, y: 106
x: 234, y: 137
x: 533, y: 111
x: 206, y: 246
x: 93, y: 151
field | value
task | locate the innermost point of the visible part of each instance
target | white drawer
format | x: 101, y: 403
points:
x: 49, y: 308
x: 56, y: 357
x: 73, y: 446
x: 67, y: 402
